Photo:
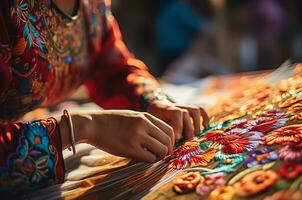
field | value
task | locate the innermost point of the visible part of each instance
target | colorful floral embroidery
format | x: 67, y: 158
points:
x: 210, y: 183
x: 227, y: 163
x: 274, y: 113
x: 296, y: 117
x: 290, y: 170
x: 255, y: 182
x: 240, y: 143
x: 190, y: 154
x: 187, y: 182
x: 289, y: 102
x: 27, y: 16
x: 292, y: 133
x: 266, y: 122
x: 260, y: 157
x: 49, y: 61
x: 235, y: 140
x: 33, y: 165
x: 294, y: 108
x: 222, y: 193
x: 291, y: 152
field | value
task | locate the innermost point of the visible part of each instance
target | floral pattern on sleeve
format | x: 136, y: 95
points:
x: 31, y: 156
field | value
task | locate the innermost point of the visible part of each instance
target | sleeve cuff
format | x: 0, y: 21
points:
x: 33, y: 157
x: 153, y: 95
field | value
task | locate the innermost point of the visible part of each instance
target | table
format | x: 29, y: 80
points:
x: 253, y: 144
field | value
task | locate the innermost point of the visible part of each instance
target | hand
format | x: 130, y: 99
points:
x: 185, y: 120
x: 126, y: 133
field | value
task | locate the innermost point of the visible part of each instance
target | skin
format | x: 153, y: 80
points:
x: 67, y: 6
x: 136, y: 135
x: 143, y: 136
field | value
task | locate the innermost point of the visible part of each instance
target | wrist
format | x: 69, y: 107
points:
x: 65, y: 134
x: 83, y: 128
x: 80, y: 131
x: 153, y: 96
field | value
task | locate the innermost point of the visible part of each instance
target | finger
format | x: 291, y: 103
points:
x: 195, y: 115
x: 176, y: 121
x: 205, y: 117
x: 159, y: 135
x: 155, y: 147
x: 141, y: 154
x: 187, y: 124
x: 163, y: 126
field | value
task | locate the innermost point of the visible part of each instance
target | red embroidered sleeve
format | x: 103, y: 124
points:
x: 30, y: 152
x: 30, y: 156
x: 5, y: 53
x: 119, y: 80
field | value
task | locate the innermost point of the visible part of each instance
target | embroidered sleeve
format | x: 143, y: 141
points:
x: 119, y: 80
x: 5, y: 53
x: 30, y: 156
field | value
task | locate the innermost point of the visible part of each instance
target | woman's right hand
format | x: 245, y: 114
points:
x: 126, y: 133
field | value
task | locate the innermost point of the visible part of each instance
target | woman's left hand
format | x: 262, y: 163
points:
x: 185, y: 120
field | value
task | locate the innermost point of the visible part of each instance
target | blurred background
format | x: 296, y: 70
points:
x: 184, y: 40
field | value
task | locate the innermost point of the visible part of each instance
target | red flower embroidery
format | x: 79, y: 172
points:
x: 235, y: 141
x: 290, y: 170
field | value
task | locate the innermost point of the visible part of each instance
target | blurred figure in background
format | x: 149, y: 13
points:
x: 267, y: 27
x: 192, y: 37
x: 177, y: 25
x: 194, y: 64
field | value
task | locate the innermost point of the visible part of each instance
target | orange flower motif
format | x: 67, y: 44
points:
x: 222, y: 193
x: 296, y: 117
x: 292, y: 133
x: 289, y: 102
x: 294, y: 108
x: 187, y: 182
x: 255, y: 182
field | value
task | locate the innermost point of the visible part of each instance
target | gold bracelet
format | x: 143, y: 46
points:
x: 71, y: 131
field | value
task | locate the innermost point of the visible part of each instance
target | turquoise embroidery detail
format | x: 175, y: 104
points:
x: 32, y: 165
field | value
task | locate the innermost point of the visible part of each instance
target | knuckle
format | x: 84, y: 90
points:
x: 135, y: 136
x: 185, y: 112
x: 140, y: 118
x: 164, y: 152
x: 202, y: 110
x: 145, y: 114
x: 177, y: 111
x: 132, y: 142
x: 195, y: 109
